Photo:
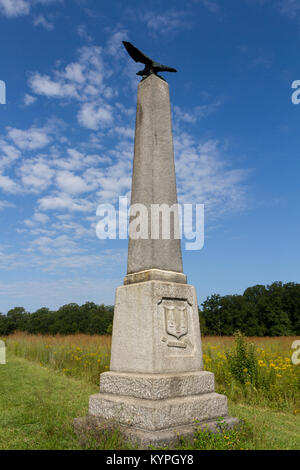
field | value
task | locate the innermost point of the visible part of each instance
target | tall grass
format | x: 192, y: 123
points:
x: 81, y: 356
x: 256, y: 371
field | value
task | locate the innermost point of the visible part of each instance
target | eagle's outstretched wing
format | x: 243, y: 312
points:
x: 164, y: 68
x: 136, y: 54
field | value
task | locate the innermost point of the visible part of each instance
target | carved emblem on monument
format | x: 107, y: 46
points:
x: 176, y: 321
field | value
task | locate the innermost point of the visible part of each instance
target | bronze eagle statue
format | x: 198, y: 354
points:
x: 151, y: 67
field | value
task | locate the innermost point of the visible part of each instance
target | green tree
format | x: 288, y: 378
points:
x: 211, y: 312
x: 255, y: 300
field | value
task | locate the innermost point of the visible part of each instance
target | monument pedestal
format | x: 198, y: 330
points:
x: 156, y: 329
x: 156, y: 390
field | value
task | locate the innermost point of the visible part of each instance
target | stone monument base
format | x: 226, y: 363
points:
x: 156, y: 390
x: 142, y: 439
x: 156, y: 409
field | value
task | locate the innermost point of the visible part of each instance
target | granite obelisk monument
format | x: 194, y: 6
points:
x: 156, y: 388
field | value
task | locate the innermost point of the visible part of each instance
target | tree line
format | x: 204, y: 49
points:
x: 68, y: 319
x: 272, y: 310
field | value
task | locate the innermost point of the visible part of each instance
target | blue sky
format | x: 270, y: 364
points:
x: 66, y: 140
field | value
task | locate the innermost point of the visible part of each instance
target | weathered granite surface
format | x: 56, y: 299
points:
x: 154, y: 180
x: 143, y: 338
x: 155, y: 275
x: 155, y: 415
x: 157, y: 386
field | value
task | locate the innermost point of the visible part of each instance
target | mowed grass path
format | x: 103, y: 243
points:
x: 38, y: 405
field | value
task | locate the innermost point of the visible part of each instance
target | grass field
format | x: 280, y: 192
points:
x: 47, y: 381
x: 261, y: 374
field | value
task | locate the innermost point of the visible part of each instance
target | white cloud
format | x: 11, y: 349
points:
x: 29, y: 100
x: 41, y: 218
x: 44, y: 85
x: 205, y: 177
x: 82, y: 32
x: 6, y: 205
x: 8, y: 185
x: 113, y: 45
x: 94, y: 116
x: 62, y: 201
x: 8, y: 154
x: 196, y: 113
x: 126, y: 132
x: 212, y: 6
x: 115, y: 183
x: 40, y: 20
x: 13, y: 8
x: 75, y: 72
x: 38, y: 219
x: 78, y: 160
x: 58, y: 246
x: 30, y: 139
x: 36, y: 174
x: 82, y: 81
x: 74, y: 161
x: 71, y: 183
x: 76, y: 80
x: 165, y: 22
x: 65, y: 223
x: 289, y: 8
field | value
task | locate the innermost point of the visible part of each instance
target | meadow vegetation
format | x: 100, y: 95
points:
x: 48, y: 379
x: 38, y: 406
x: 256, y: 371
x: 80, y: 356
